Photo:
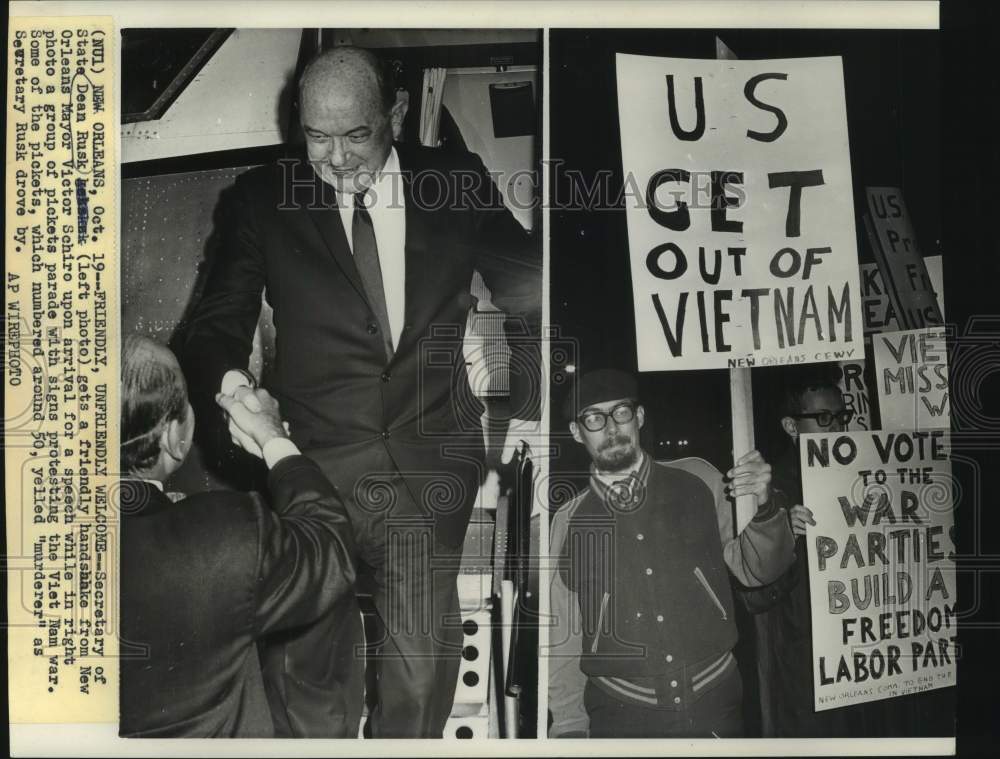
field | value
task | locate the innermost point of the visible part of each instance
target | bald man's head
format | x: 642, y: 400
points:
x: 351, y: 68
x: 350, y: 114
x: 154, y: 394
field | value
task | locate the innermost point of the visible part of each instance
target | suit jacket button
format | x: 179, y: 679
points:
x: 372, y: 328
x: 385, y: 435
x: 386, y: 376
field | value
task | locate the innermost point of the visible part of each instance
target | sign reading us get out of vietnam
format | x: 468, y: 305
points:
x: 740, y: 212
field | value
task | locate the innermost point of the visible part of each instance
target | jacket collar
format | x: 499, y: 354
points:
x: 627, y: 492
x: 141, y: 498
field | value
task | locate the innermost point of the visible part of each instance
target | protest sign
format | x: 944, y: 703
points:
x: 881, y: 564
x: 740, y: 213
x: 857, y: 398
x: 879, y: 313
x: 912, y: 377
x: 904, y: 272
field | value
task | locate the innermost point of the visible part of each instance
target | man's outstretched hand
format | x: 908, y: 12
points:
x: 254, y: 418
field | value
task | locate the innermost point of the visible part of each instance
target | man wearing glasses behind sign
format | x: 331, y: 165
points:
x: 642, y: 612
x: 812, y: 402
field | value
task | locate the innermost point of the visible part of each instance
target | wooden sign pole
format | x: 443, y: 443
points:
x: 740, y: 391
x: 741, y: 405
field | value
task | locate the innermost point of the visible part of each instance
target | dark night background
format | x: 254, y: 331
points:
x: 892, y: 87
x: 971, y: 162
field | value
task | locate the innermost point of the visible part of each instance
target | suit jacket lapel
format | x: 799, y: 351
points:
x: 325, y: 214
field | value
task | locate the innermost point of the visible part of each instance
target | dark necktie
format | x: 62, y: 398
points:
x: 366, y: 259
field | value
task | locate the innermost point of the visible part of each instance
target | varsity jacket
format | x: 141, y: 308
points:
x: 641, y: 599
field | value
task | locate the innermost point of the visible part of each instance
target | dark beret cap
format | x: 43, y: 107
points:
x: 598, y: 386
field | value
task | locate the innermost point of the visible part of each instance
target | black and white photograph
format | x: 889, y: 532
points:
x: 746, y: 272
x: 500, y: 377
x: 331, y: 289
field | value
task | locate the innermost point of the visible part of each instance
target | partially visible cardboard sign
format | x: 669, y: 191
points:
x: 912, y: 376
x: 894, y: 244
x: 879, y: 313
x: 857, y: 398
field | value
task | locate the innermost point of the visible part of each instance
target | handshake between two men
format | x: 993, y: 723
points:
x: 255, y: 422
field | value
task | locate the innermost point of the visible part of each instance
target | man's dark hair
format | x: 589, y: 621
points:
x: 801, y: 380
x: 153, y: 395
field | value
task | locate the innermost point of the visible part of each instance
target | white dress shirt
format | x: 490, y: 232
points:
x: 388, y: 212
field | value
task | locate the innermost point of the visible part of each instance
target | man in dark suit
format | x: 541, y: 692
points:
x: 203, y: 578
x: 366, y: 254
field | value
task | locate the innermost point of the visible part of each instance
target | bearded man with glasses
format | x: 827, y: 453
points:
x: 643, y: 629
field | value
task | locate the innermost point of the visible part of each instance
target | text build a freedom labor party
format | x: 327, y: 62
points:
x: 743, y: 252
x: 881, y: 564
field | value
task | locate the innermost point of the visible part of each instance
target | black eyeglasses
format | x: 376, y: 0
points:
x: 596, y: 420
x: 826, y: 418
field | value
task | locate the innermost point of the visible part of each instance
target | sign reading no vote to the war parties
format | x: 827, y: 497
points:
x: 912, y: 371
x: 740, y: 212
x: 881, y: 564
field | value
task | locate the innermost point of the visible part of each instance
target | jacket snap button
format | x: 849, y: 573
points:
x: 372, y: 328
x: 670, y: 657
x: 677, y: 699
x: 673, y: 683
